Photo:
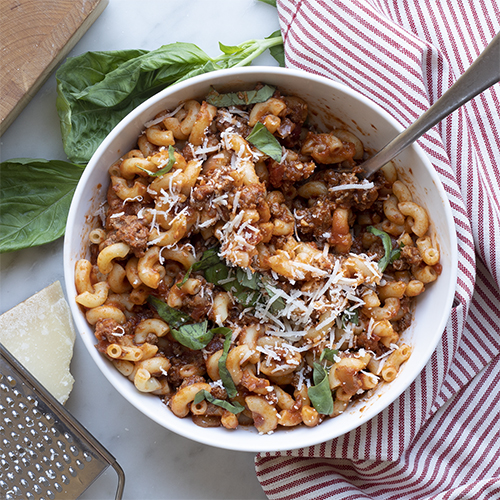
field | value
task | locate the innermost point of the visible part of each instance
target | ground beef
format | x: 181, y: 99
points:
x: 411, y: 255
x: 106, y: 330
x: 370, y: 344
x: 288, y: 171
x: 218, y: 392
x: 225, y: 120
x: 315, y: 223
x: 131, y: 231
x: 252, y: 196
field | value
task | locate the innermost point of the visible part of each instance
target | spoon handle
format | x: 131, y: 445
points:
x: 482, y: 74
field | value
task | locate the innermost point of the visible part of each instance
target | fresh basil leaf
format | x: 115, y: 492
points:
x: 208, y: 259
x: 264, y: 141
x: 217, y: 273
x: 277, y: 304
x: 173, y: 317
x: 278, y: 51
x: 252, y: 282
x: 224, y: 374
x: 164, y: 170
x: 239, y: 98
x: 231, y: 407
x: 270, y: 2
x: 97, y: 89
x: 221, y: 330
x: 350, y: 316
x: 328, y: 354
x: 220, y: 272
x: 390, y: 254
x: 35, y: 196
x: 320, y: 393
x: 195, y: 336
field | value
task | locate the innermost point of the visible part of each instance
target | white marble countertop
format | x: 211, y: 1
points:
x: 158, y: 464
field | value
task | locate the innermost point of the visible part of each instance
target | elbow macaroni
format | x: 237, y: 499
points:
x: 297, y: 231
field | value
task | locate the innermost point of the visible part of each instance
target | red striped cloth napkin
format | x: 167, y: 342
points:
x: 441, y: 438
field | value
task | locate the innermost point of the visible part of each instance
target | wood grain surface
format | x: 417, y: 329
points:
x: 35, y: 36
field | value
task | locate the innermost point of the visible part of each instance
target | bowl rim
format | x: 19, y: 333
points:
x: 214, y: 438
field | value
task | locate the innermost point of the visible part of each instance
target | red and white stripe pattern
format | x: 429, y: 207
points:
x: 441, y: 438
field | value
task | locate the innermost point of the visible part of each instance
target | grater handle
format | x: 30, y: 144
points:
x: 121, y: 480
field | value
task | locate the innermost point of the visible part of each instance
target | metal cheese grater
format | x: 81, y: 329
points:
x: 45, y: 453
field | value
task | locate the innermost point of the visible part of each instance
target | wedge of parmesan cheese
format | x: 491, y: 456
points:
x: 39, y: 333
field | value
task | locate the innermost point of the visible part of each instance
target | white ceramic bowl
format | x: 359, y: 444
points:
x: 332, y: 104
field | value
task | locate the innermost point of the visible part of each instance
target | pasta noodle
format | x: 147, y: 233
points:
x: 249, y: 281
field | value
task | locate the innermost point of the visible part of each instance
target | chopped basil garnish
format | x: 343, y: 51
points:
x: 208, y: 259
x: 195, y: 336
x: 224, y: 374
x: 173, y: 317
x: 390, y: 254
x: 277, y: 304
x: 164, y: 170
x: 350, y: 316
x: 328, y: 354
x: 246, y: 289
x: 238, y: 98
x: 232, y: 407
x: 320, y: 393
x: 264, y: 141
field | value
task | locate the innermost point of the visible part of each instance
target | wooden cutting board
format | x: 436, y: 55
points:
x: 35, y: 36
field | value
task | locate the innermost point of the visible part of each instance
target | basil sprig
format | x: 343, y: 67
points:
x: 264, y: 141
x: 97, y: 89
x: 320, y: 393
x: 166, y: 169
x: 239, y: 98
x: 224, y: 374
x: 390, y: 254
x: 232, y: 407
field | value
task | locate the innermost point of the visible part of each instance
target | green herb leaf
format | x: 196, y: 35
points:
x: 224, y: 374
x: 252, y: 281
x: 35, y: 196
x: 208, y: 259
x: 350, y: 316
x: 390, y: 254
x: 328, y: 354
x: 264, y: 141
x: 270, y: 2
x: 320, y: 393
x: 232, y: 407
x: 243, y: 294
x: 164, y: 170
x: 173, y: 317
x: 239, y: 98
x: 195, y: 336
x: 277, y: 304
x: 278, y: 51
x: 244, y: 53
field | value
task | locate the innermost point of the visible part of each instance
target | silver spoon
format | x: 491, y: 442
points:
x: 482, y: 74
